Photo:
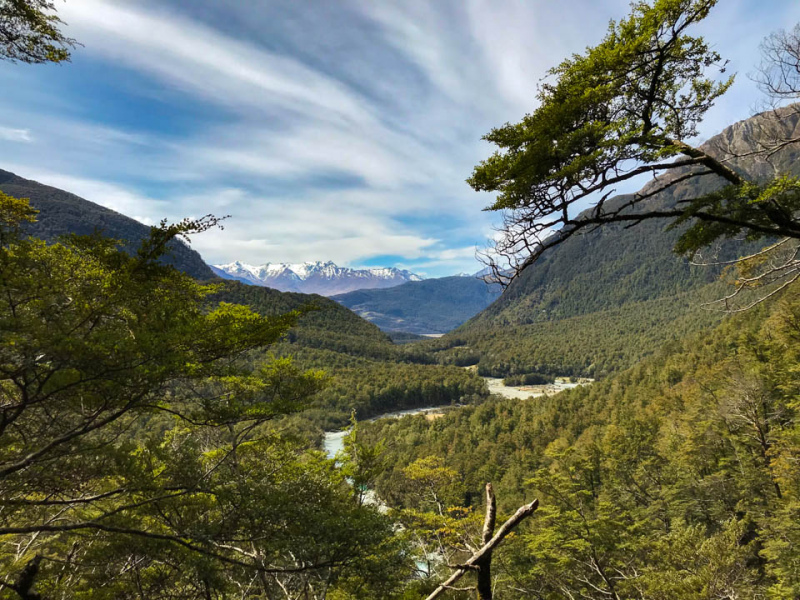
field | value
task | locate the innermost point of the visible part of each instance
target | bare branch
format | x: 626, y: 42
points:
x: 506, y: 528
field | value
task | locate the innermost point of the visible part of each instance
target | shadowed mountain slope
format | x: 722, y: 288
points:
x: 62, y: 213
x: 429, y: 306
x: 602, y: 300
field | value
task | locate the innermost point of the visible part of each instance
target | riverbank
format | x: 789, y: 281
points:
x: 526, y: 392
x: 333, y: 442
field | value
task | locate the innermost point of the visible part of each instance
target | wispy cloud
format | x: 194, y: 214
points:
x: 194, y: 57
x: 15, y: 135
x: 284, y: 231
x: 115, y: 197
x: 341, y: 130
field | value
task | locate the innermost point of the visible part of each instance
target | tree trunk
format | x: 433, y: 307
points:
x: 24, y: 584
x: 485, y: 564
x: 483, y: 556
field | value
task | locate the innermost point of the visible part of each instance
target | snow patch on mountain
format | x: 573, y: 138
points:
x: 325, y: 278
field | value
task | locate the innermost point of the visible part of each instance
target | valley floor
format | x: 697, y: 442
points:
x: 526, y: 392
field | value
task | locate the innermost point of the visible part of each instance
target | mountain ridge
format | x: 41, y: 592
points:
x: 429, y: 306
x: 321, y: 277
x: 63, y: 213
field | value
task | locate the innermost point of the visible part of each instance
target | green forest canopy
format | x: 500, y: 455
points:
x: 137, y: 456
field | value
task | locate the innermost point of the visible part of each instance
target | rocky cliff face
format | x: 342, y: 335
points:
x: 769, y: 130
x: 756, y: 147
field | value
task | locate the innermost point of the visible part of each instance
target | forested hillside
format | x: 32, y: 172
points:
x: 62, y: 213
x: 169, y: 434
x: 367, y: 372
x: 142, y: 443
x: 602, y: 300
x: 678, y: 476
x: 428, y: 306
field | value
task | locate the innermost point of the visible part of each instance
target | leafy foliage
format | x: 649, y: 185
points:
x: 748, y: 202
x: 596, y: 345
x: 603, y: 299
x: 677, y: 478
x: 528, y: 379
x: 624, y: 99
x: 137, y: 454
x: 29, y: 32
x: 609, y: 115
x: 368, y: 373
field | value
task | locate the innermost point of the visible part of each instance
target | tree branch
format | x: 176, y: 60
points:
x: 505, y: 529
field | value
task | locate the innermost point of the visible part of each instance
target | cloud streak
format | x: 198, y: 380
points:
x: 10, y: 134
x: 341, y: 130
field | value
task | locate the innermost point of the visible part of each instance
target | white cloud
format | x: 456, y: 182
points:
x: 522, y: 40
x: 15, y: 135
x: 454, y: 253
x: 279, y: 230
x: 259, y: 229
x: 378, y: 157
x: 194, y: 57
x: 292, y: 121
x: 113, y: 196
x: 430, y: 39
x: 320, y: 141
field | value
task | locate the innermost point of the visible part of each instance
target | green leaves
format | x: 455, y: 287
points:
x: 620, y: 110
x: 762, y: 206
x: 29, y: 32
x: 136, y: 449
x: 624, y: 99
x: 675, y: 479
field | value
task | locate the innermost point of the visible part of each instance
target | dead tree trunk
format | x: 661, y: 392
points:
x: 485, y: 563
x: 481, y: 561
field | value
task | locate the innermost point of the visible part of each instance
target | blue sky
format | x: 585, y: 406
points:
x: 328, y: 129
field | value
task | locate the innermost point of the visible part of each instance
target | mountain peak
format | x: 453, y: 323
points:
x: 317, y: 277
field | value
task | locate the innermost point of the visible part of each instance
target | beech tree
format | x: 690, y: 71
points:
x: 136, y: 453
x: 30, y: 32
x: 625, y: 108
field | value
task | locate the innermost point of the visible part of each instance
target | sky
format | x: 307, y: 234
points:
x: 338, y: 130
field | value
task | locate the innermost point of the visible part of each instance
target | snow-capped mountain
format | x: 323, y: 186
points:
x: 325, y: 278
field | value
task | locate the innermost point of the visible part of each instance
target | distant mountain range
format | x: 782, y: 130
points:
x: 429, y: 306
x: 62, y: 213
x: 324, y: 278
